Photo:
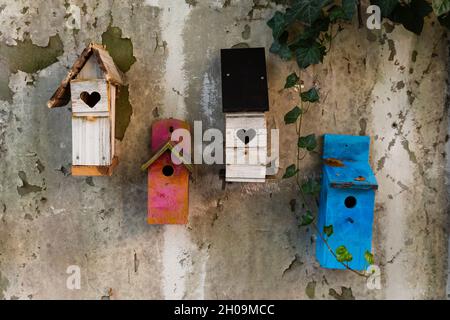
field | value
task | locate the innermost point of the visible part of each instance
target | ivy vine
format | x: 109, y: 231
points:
x: 304, y: 32
x: 309, y: 189
x: 305, y: 29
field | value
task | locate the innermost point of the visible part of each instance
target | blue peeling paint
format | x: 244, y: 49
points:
x: 347, y: 200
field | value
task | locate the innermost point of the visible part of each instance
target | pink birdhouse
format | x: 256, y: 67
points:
x: 168, y: 183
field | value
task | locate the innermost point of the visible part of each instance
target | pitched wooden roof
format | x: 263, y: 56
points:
x: 112, y: 74
x: 168, y: 146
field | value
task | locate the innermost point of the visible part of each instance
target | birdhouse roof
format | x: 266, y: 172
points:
x: 244, y: 80
x: 346, y: 162
x: 168, y: 146
x: 110, y: 71
x: 349, y: 174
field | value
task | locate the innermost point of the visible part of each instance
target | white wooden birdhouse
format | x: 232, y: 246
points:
x: 92, y: 86
x: 245, y: 99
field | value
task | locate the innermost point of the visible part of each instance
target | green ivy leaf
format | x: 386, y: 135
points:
x: 309, y: 53
x: 386, y: 6
x: 290, y: 171
x: 307, y: 219
x: 307, y: 11
x: 369, y: 257
x: 291, y: 80
x: 312, y: 95
x: 342, y: 254
x: 337, y: 13
x: 344, y: 12
x: 310, y: 34
x: 328, y: 230
x: 322, y: 24
x: 445, y: 21
x: 281, y: 49
x: 411, y: 15
x: 311, y: 187
x: 308, y: 142
x: 292, y: 116
x: 441, y: 7
x: 349, y: 8
x: 278, y: 24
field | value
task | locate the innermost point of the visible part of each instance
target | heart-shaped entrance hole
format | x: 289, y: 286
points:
x: 91, y: 99
x: 246, y: 135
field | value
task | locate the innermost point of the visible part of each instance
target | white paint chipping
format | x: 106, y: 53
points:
x: 176, y: 244
x: 178, y: 247
x: 200, y: 291
x: 392, y: 176
x: 152, y: 3
x: 208, y: 97
x: 173, y: 20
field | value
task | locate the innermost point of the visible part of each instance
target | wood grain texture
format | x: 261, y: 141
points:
x: 169, y: 146
x: 62, y: 95
x: 245, y: 162
x: 110, y: 72
x: 168, y: 196
x: 245, y: 173
x: 91, y: 141
x: 112, y: 92
x: 245, y: 121
x: 106, y: 63
x: 90, y: 86
x: 91, y: 70
x: 232, y: 139
x: 247, y: 156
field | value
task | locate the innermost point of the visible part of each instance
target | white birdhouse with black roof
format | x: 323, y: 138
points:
x: 91, y: 86
x: 245, y: 100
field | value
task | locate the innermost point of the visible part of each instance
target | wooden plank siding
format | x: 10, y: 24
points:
x: 93, y: 128
x: 112, y: 101
x: 89, y: 86
x: 90, y: 70
x: 91, y: 141
x: 245, y: 162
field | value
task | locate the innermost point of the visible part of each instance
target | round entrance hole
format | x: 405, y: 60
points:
x: 167, y: 171
x: 350, y: 202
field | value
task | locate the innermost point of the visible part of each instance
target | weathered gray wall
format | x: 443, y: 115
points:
x: 242, y: 241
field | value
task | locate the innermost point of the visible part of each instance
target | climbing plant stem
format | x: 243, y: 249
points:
x: 297, y: 178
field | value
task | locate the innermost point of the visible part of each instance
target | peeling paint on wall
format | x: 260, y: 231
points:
x: 242, y: 240
x: 209, y: 98
x: 26, y: 188
x: 4, y: 283
x: 30, y: 58
x: 174, y: 16
x: 121, y: 50
x: 27, y: 57
x: 177, y: 241
x: 124, y: 110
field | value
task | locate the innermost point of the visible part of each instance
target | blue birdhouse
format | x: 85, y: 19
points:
x: 347, y: 200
